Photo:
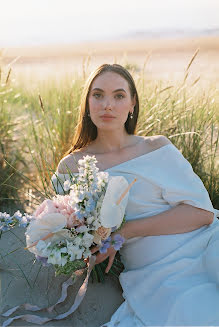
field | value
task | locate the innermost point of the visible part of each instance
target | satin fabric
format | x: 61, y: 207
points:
x: 168, y: 280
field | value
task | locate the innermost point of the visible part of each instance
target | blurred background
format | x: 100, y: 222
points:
x: 48, y: 49
x: 48, y: 35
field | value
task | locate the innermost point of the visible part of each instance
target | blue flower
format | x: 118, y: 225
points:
x: 79, y: 215
x: 4, y: 228
x: 118, y: 241
x: 90, y: 206
x: 43, y: 260
x: 94, y: 187
x: 17, y: 215
x: 105, y: 245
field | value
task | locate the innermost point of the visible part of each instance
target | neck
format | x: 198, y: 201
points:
x: 111, y: 141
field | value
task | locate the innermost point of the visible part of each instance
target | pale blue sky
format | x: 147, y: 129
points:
x: 32, y: 22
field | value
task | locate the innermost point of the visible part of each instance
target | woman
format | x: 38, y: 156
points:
x: 172, y: 232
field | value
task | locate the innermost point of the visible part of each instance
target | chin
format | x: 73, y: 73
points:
x: 109, y: 126
x: 106, y: 128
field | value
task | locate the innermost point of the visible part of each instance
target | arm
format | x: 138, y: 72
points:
x: 183, y: 190
x: 180, y: 219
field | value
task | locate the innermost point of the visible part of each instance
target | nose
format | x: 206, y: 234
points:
x: 108, y: 105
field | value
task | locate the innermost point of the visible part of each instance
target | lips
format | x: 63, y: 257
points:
x: 107, y: 116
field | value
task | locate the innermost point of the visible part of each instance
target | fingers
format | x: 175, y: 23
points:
x: 95, y: 249
x: 111, y: 259
x: 100, y: 258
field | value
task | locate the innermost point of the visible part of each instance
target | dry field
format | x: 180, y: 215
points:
x: 164, y: 59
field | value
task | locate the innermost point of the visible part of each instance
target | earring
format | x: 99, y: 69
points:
x: 88, y: 114
x: 131, y: 115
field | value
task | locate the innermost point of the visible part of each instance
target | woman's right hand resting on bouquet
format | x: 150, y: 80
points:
x: 100, y: 257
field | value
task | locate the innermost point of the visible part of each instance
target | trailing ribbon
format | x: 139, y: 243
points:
x: 41, y: 320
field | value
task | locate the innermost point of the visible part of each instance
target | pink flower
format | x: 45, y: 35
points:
x: 62, y: 204
x: 59, y: 204
x: 47, y: 206
x: 72, y: 221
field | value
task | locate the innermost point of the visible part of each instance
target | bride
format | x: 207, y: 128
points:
x: 171, y: 248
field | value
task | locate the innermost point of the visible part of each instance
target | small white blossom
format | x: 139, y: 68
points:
x: 57, y: 258
x: 104, y: 176
x: 74, y: 251
x: 67, y: 185
x: 77, y: 241
x: 82, y: 229
x: 41, y: 245
x: 87, y: 253
x: 87, y: 239
x: 96, y: 224
x: 90, y: 219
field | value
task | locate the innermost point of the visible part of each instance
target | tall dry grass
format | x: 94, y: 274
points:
x: 183, y: 111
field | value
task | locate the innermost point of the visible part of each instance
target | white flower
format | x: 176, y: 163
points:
x: 103, y: 177
x: 41, y: 245
x: 87, y: 239
x: 74, y: 251
x: 79, y: 253
x: 63, y: 250
x: 81, y: 162
x: 56, y: 257
x: 67, y: 185
x: 82, y: 229
x: 96, y: 224
x: 87, y: 253
x: 77, y: 240
x: 112, y: 214
x: 90, y: 219
x: 51, y: 259
x: 49, y: 223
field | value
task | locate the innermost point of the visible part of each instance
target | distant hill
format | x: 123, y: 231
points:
x: 170, y: 33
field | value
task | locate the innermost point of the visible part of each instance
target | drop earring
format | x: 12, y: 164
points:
x: 131, y: 115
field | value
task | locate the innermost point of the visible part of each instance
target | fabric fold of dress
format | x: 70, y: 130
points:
x: 168, y: 280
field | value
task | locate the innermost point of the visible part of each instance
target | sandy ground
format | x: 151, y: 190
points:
x: 162, y: 58
x: 23, y: 281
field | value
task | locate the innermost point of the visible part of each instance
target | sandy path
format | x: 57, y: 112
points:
x: 39, y: 286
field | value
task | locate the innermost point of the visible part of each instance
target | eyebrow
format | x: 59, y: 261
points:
x: 98, y: 89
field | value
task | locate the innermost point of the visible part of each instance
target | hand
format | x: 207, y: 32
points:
x: 100, y: 257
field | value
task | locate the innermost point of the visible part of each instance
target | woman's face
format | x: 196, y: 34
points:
x: 110, y: 101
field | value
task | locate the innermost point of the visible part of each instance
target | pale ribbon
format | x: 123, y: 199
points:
x: 41, y: 320
x: 78, y: 299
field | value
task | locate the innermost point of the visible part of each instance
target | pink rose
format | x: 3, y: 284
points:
x: 72, y: 221
x: 47, y: 206
x: 59, y: 204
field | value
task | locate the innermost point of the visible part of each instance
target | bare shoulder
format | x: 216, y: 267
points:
x: 156, y: 141
x: 69, y: 163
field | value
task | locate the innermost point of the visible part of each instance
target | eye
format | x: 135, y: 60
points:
x: 97, y: 95
x: 120, y: 96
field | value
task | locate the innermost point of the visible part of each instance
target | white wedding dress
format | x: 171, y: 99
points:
x: 168, y: 280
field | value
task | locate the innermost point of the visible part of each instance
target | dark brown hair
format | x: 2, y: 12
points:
x: 86, y: 130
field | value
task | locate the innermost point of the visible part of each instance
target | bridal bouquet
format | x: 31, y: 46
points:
x: 62, y: 230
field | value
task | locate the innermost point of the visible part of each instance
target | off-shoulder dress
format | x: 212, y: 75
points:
x: 168, y: 280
